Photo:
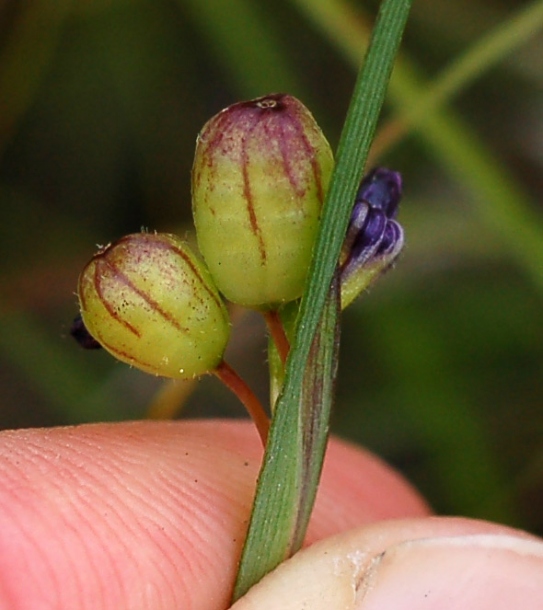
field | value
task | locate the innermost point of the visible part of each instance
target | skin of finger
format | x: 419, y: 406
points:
x: 153, y: 515
x: 432, y: 563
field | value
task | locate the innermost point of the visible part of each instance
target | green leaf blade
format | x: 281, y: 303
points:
x: 289, y: 476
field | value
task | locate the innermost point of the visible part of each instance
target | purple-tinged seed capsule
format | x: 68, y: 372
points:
x: 261, y: 171
x: 152, y: 304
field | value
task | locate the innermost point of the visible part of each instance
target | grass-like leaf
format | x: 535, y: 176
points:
x: 293, y: 459
x: 496, y: 198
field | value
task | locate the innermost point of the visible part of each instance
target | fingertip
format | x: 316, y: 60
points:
x: 435, y: 563
x: 154, y: 514
x: 127, y: 515
x: 484, y: 571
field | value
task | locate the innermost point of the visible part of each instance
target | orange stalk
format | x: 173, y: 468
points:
x: 237, y: 385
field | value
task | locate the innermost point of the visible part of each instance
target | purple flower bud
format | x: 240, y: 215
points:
x: 374, y: 239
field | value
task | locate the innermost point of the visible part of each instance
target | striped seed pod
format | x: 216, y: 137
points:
x: 260, y: 174
x: 152, y: 304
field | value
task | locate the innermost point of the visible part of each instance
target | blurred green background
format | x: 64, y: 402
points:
x: 441, y: 363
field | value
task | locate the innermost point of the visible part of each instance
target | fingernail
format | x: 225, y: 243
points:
x: 478, y: 571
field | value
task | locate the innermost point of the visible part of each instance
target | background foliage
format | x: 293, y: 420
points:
x: 441, y: 363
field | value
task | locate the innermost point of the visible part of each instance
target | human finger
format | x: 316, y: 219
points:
x: 431, y: 563
x: 153, y: 515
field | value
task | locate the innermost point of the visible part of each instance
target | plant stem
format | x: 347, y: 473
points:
x: 277, y: 333
x: 236, y: 384
x: 288, y: 479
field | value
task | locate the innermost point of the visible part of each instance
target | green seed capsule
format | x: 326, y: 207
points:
x: 152, y: 304
x: 260, y: 174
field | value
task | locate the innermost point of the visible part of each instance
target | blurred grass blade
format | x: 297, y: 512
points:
x: 237, y: 32
x: 484, y: 54
x: 25, y: 59
x: 284, y: 499
x: 499, y: 200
